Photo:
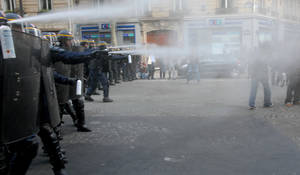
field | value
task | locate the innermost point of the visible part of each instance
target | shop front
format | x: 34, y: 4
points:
x: 128, y: 33
x: 229, y: 35
x: 216, y: 36
x: 99, y: 33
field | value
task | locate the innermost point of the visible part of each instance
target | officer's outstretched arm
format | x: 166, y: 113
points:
x: 118, y: 57
x: 67, y: 57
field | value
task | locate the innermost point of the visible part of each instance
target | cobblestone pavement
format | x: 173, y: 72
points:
x: 162, y: 127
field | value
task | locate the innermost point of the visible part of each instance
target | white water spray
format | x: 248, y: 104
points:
x: 82, y: 14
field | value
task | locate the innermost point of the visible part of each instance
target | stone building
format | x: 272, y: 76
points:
x: 213, y: 26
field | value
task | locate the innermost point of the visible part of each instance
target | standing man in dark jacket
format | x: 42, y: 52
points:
x: 258, y: 70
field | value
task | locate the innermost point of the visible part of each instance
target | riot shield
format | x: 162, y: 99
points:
x: 20, y: 89
x: 49, y: 86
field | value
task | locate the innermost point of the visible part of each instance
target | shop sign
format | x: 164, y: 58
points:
x: 105, y: 26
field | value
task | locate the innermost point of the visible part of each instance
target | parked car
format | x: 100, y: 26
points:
x: 217, y: 66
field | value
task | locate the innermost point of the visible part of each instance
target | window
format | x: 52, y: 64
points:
x: 177, y: 5
x: 10, y: 5
x: 226, y: 3
x: 146, y: 6
x: 98, y: 3
x: 76, y: 2
x: 46, y: 4
x: 261, y: 4
x: 275, y: 5
x: 126, y: 37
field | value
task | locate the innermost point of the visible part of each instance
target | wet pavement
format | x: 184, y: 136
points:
x: 162, y: 127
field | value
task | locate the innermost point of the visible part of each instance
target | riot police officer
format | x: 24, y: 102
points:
x: 64, y: 38
x: 77, y: 72
x: 98, y: 68
x: 50, y: 106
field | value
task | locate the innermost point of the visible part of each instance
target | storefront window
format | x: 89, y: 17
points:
x: 97, y: 37
x: 216, y: 42
x: 105, y: 36
x: 226, y: 3
x: 264, y: 36
x: 225, y: 42
x: 127, y: 37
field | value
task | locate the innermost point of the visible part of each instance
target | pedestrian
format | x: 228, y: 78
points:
x: 258, y: 71
x: 162, y: 69
x: 151, y: 67
x: 193, y: 70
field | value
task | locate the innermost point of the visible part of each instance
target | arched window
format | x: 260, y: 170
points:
x: 227, y: 4
x: 10, y: 5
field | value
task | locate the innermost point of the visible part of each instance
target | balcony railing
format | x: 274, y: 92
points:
x: 226, y: 10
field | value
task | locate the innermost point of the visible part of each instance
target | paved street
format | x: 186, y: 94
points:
x: 161, y: 127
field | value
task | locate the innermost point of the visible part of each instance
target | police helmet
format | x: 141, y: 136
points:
x: 64, y: 35
x: 12, y: 16
x: 15, y: 26
x: 3, y: 19
x: 30, y: 28
x: 84, y: 42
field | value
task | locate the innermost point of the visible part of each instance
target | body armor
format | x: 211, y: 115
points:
x: 20, y: 80
x: 62, y: 90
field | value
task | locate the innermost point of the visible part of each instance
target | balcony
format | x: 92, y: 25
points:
x: 222, y: 11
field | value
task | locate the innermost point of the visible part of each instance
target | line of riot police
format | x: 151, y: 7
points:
x: 108, y: 71
x: 31, y: 95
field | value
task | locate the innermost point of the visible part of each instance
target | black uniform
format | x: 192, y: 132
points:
x: 50, y: 109
x: 77, y: 72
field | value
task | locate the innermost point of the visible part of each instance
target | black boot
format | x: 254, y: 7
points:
x: 52, y: 145
x: 83, y: 128
x: 70, y: 110
x: 60, y: 172
x: 57, y: 131
x: 79, y: 109
x: 107, y: 100
x: 3, y: 161
x: 23, y: 153
x: 88, y: 98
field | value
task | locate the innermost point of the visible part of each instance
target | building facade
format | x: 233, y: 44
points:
x: 213, y: 26
x: 231, y: 26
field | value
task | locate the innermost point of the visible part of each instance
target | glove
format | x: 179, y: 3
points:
x: 56, y: 50
x: 99, y: 53
x: 72, y: 81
